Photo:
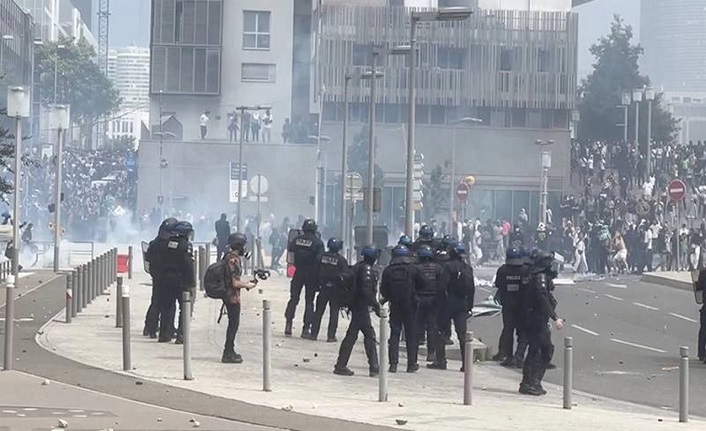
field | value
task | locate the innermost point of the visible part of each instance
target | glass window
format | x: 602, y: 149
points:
x: 503, y: 205
x: 258, y: 72
x: 256, y: 29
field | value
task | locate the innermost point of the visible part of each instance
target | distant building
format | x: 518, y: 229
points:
x: 129, y: 70
x: 16, y: 45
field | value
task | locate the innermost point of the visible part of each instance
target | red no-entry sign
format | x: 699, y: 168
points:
x: 676, y: 190
x: 462, y: 190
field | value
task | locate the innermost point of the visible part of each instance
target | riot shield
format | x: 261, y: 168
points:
x: 699, y: 290
x: 145, y: 264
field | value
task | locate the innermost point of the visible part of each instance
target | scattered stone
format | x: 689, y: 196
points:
x: 620, y: 362
x: 306, y: 360
x: 669, y: 368
x: 107, y: 316
x: 593, y: 357
x: 45, y: 382
x: 139, y: 383
x: 659, y: 420
x: 401, y: 421
x: 278, y: 345
x: 288, y: 408
x: 63, y: 424
x: 40, y: 332
x: 159, y: 419
x: 197, y: 424
x: 400, y: 405
x: 296, y: 365
x: 316, y: 355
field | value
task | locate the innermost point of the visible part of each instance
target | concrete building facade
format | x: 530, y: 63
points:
x: 16, y: 45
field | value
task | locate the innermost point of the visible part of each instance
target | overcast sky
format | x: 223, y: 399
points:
x: 130, y: 24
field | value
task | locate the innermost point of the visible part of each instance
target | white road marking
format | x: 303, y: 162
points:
x: 649, y: 307
x: 612, y: 297
x: 588, y: 331
x: 639, y: 346
x: 586, y: 290
x: 679, y: 316
x: 618, y: 286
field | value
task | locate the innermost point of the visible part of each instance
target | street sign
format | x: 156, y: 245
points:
x: 356, y: 196
x: 259, y: 185
x: 235, y: 186
x: 462, y: 192
x: 676, y: 190
x: 354, y: 181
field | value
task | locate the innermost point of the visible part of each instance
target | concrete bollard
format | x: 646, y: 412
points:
x: 383, y: 361
x: 79, y: 289
x: 114, y: 266
x: 74, y: 291
x: 129, y: 263
x: 468, y: 370
x: 119, y: 304
x: 186, y: 334
x: 568, y: 371
x: 89, y: 281
x: 127, y: 360
x: 266, y: 346
x: 69, y: 298
x: 684, y: 384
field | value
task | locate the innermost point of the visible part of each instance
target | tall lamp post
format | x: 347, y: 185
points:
x: 18, y: 102
x: 242, y: 110
x: 649, y: 97
x: 637, y: 98
x: 625, y: 106
x: 546, y: 161
x: 59, y: 121
x: 442, y: 14
x: 373, y: 75
x: 344, y: 155
x: 452, y: 190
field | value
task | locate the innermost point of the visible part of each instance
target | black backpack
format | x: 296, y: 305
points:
x: 343, y: 293
x: 459, y: 282
x: 400, y: 281
x: 216, y: 280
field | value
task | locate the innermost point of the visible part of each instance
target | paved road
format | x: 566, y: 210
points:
x: 47, y: 301
x: 626, y: 335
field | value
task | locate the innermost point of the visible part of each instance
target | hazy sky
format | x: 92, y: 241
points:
x: 130, y: 24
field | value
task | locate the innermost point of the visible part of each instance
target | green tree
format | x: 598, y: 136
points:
x: 615, y: 71
x: 435, y: 193
x: 358, y: 158
x: 79, y: 82
x: 7, y: 158
x: 120, y: 144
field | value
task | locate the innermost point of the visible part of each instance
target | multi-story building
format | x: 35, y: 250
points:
x: 58, y: 18
x: 513, y: 69
x: 16, y: 45
x: 129, y: 70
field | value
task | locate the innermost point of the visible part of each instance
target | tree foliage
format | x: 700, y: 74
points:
x: 79, y: 81
x: 358, y: 158
x: 616, y: 71
x: 121, y: 144
x: 435, y: 193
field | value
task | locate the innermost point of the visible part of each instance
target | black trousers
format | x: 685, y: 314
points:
x: 303, y: 277
x: 403, y: 314
x: 540, y: 353
x: 221, y: 248
x: 427, y: 319
x: 233, y: 311
x: 322, y: 300
x: 511, y: 327
x: 152, y: 315
x: 360, y: 322
x: 168, y: 298
x: 455, y: 311
x: 702, y: 333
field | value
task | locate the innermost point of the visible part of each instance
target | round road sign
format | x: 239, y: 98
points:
x: 676, y: 190
x: 354, y: 182
x: 462, y: 190
x: 259, y: 185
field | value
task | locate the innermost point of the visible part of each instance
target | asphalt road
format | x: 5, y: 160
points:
x: 34, y: 308
x: 626, y: 336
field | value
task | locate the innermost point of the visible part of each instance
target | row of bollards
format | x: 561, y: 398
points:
x: 87, y: 282
x: 5, y: 270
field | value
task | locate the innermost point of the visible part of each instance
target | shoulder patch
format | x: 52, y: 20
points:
x: 173, y: 244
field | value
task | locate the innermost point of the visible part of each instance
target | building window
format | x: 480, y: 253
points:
x: 256, y: 30
x: 257, y: 72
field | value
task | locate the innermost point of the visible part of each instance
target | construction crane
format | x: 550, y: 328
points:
x: 103, y: 38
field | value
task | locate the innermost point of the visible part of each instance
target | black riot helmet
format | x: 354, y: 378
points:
x: 543, y: 261
x: 425, y: 253
x: 183, y: 229
x: 238, y: 243
x: 166, y: 229
x: 309, y: 226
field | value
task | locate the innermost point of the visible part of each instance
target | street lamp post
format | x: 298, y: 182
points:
x: 344, y: 155
x: 242, y: 110
x: 18, y: 101
x: 649, y: 96
x: 637, y: 98
x: 442, y: 14
x: 59, y: 121
x: 373, y: 75
x: 56, y: 69
x: 452, y: 190
x: 625, y: 106
x: 546, y: 161
x: 2, y: 50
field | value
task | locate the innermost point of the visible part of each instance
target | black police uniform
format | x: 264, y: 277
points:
x: 399, y: 284
x: 701, y: 290
x: 428, y: 310
x: 508, y: 280
x: 307, y: 249
x: 152, y: 257
x: 457, y: 290
x: 175, y: 275
x: 516, y: 238
x: 222, y: 232
x: 366, y: 279
x: 331, y: 267
x: 537, y: 308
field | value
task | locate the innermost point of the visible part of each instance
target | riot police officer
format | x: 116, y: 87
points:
x: 426, y: 237
x: 307, y: 249
x: 508, y: 280
x: 366, y: 279
x: 516, y: 238
x: 152, y: 260
x: 538, y: 306
x: 331, y: 267
x: 441, y: 255
x: 398, y: 286
x: 456, y: 294
x: 428, y: 292
x: 405, y: 241
x: 175, y: 276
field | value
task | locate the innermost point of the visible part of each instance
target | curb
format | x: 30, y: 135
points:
x: 666, y: 281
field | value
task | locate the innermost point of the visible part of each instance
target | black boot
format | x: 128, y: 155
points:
x: 393, y: 368
x: 288, y: 328
x: 343, y: 371
x: 375, y: 371
x: 230, y: 357
x: 306, y: 333
x: 412, y: 368
x: 437, y: 366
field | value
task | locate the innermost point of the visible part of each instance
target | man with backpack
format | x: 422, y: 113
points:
x: 307, y: 249
x: 456, y: 291
x: 427, y: 292
x: 332, y: 268
x: 363, y: 298
x: 399, y: 284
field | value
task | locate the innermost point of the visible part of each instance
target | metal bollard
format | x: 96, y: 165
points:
x: 266, y: 346
x: 129, y: 263
x: 186, y: 334
x: 208, y: 254
x: 74, y: 291
x: 384, y: 337
x: 103, y: 281
x: 119, y: 304
x: 684, y: 384
x: 115, y: 265
x: 89, y: 283
x: 568, y: 371
x: 69, y: 298
x: 99, y: 267
x: 79, y: 289
x: 202, y: 266
x: 468, y: 370
x: 94, y: 272
x: 127, y: 362
x: 82, y: 292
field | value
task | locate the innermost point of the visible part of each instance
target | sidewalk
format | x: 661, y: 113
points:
x: 679, y: 280
x: 303, y: 381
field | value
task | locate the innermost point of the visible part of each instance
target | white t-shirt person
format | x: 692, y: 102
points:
x: 203, y: 122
